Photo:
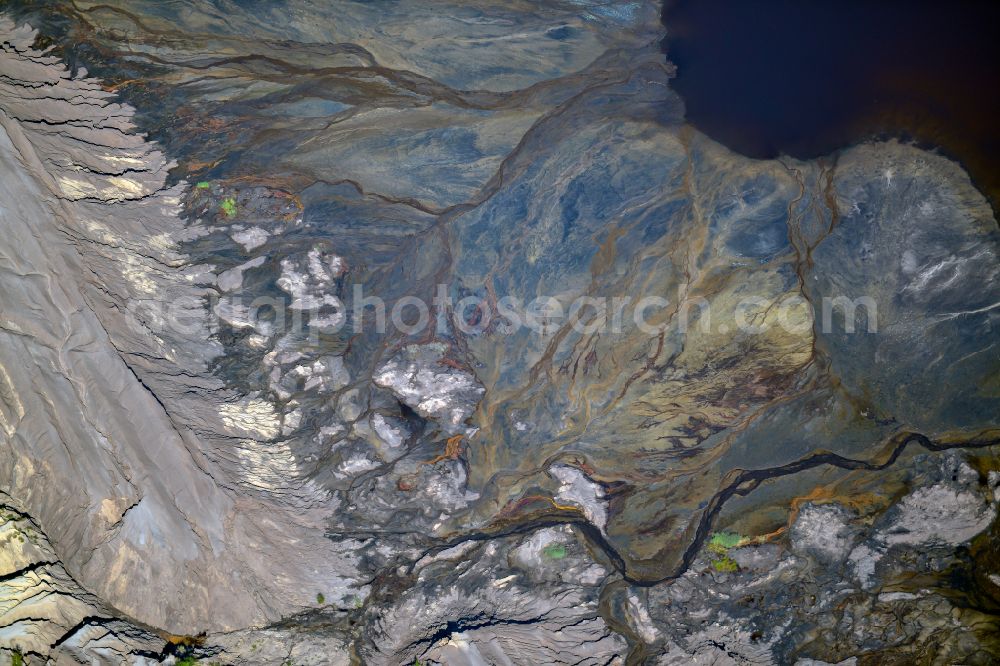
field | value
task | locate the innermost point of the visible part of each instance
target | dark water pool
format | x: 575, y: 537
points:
x: 806, y: 77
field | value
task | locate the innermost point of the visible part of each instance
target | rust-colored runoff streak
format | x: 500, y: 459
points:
x: 452, y: 450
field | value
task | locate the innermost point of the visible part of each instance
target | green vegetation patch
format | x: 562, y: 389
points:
x: 229, y: 206
x: 554, y: 551
x: 723, y: 541
x: 719, y: 546
x: 725, y: 564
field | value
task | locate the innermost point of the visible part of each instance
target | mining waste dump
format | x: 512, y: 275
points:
x: 433, y: 332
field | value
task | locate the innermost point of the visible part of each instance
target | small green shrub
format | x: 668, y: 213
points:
x: 725, y: 564
x: 723, y: 541
x: 229, y: 206
x: 320, y: 599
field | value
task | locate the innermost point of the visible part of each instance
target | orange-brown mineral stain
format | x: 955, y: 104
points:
x: 452, y: 450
